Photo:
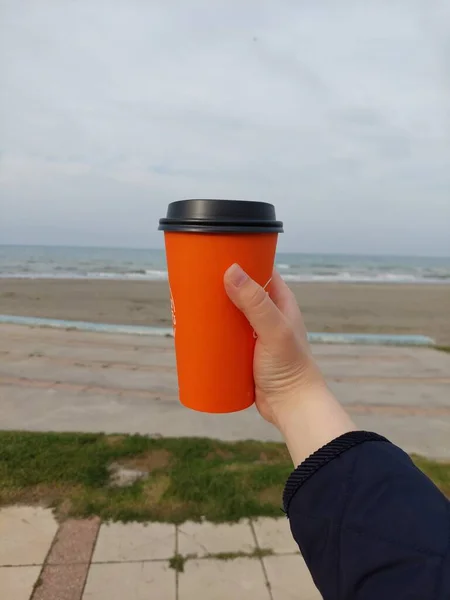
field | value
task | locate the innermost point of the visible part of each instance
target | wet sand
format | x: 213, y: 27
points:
x: 418, y: 309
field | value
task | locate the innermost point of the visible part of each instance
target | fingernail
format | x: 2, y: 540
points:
x: 236, y: 275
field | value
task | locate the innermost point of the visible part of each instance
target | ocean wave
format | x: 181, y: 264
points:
x: 161, y: 275
x: 361, y: 278
x: 150, y: 275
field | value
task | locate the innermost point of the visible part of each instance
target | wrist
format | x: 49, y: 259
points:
x: 310, y: 419
x: 295, y: 403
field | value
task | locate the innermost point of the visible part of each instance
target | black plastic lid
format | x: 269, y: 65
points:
x: 221, y: 216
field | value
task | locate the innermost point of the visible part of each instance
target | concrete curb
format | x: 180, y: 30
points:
x: 323, y: 338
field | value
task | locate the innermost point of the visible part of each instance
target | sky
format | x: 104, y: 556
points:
x: 336, y: 112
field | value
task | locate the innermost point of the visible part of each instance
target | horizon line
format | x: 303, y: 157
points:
x: 72, y: 246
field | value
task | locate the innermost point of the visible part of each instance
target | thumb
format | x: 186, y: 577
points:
x: 256, y: 304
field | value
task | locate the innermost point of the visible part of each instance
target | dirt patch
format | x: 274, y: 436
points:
x: 39, y: 495
x: 239, y: 467
x: 274, y: 455
x: 271, y: 495
x: 263, y: 458
x: 64, y: 510
x: 115, y: 440
x: 155, y: 489
x: 220, y: 453
x: 149, y: 461
x: 175, y: 511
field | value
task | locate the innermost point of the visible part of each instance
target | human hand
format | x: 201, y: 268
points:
x: 284, y: 370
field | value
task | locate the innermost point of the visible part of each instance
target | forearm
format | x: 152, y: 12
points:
x: 369, y: 524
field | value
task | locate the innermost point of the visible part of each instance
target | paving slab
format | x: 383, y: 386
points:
x: 74, y: 542
x: 202, y: 539
x: 290, y: 579
x: 131, y: 581
x: 16, y: 583
x: 26, y: 534
x: 122, y: 542
x: 61, y: 582
x: 241, y: 578
x: 275, y: 534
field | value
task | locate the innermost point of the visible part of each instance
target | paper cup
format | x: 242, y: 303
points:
x: 214, y: 342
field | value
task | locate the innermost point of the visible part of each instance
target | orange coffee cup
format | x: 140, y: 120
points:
x: 214, y: 342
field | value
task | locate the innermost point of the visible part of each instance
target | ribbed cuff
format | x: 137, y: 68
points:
x: 322, y: 457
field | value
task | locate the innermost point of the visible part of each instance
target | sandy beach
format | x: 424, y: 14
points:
x: 335, y: 307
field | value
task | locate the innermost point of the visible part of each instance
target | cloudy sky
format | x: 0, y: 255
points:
x: 337, y: 112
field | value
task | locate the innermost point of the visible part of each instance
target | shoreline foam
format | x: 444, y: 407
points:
x: 314, y: 337
x: 155, y: 275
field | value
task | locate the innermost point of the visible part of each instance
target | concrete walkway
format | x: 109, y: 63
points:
x: 82, y: 559
x: 76, y: 381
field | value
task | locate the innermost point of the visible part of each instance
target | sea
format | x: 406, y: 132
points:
x: 59, y: 262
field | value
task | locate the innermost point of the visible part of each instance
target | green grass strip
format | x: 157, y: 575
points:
x: 185, y: 478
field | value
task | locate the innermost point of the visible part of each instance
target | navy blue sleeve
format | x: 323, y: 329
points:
x: 370, y: 525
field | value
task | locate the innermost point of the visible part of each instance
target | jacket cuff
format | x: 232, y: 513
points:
x: 322, y: 457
